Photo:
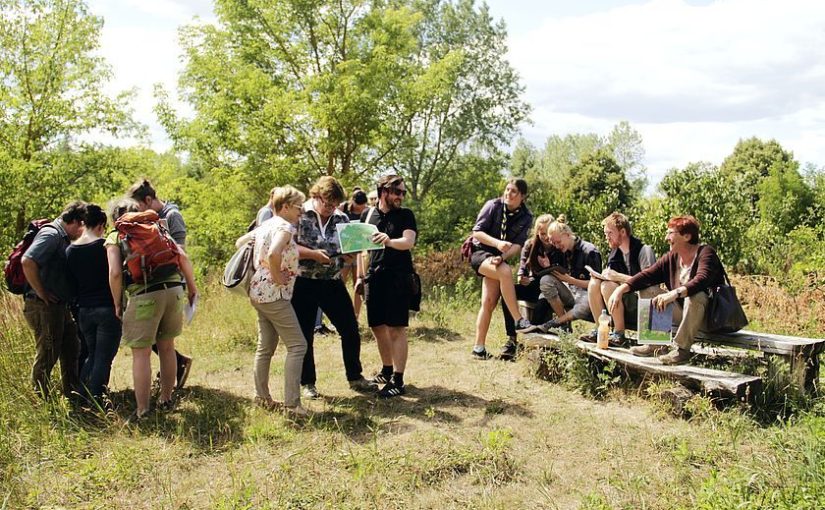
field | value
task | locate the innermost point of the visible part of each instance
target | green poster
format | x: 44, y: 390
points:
x: 356, y: 237
x: 654, y: 326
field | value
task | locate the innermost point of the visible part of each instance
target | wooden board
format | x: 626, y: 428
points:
x: 704, y: 380
x: 774, y: 344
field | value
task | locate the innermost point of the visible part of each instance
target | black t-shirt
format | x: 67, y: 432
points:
x: 89, y: 268
x: 393, y: 223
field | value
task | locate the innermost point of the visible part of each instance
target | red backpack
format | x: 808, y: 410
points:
x: 13, y: 270
x: 149, y: 251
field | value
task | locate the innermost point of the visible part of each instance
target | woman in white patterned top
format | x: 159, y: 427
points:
x: 276, y: 266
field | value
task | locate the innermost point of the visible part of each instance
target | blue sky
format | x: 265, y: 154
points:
x: 692, y: 76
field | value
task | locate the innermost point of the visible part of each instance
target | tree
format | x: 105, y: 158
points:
x: 292, y: 89
x: 625, y: 144
x: 752, y: 159
x: 784, y: 197
x: 52, y: 96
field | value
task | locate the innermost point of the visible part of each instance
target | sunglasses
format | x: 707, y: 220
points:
x: 398, y: 192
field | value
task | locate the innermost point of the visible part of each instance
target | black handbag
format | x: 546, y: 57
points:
x: 725, y: 313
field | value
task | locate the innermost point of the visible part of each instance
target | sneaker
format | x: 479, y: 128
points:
x: 310, y: 391
x: 391, y: 390
x: 553, y: 326
x: 183, y: 371
x: 617, y: 339
x: 379, y: 378
x: 362, y: 385
x: 297, y: 411
x: 676, y: 357
x: 648, y: 350
x: 266, y: 403
x: 136, y: 418
x: 590, y: 337
x: 509, y: 351
x: 483, y: 355
x: 323, y: 329
x: 522, y: 324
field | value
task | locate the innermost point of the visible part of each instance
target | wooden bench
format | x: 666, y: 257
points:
x: 801, y: 354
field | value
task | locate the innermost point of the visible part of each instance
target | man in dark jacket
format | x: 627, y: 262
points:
x: 688, y: 270
x: 628, y: 256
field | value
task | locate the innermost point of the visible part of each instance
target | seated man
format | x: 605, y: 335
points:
x: 628, y: 257
x: 688, y: 270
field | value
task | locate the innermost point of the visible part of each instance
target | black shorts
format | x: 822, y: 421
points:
x: 478, y: 257
x: 388, y: 299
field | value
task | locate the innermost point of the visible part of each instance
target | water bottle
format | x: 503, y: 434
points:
x: 604, y: 330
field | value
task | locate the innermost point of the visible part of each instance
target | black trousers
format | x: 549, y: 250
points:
x: 332, y: 298
x: 529, y: 292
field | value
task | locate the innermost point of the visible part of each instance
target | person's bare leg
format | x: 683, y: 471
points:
x: 168, y: 368
x: 400, y: 348
x: 142, y: 378
x: 382, y: 338
x: 595, y: 296
x: 507, y: 289
x: 618, y: 312
x: 490, y: 291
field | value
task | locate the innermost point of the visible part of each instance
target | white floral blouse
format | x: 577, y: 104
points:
x: 263, y: 289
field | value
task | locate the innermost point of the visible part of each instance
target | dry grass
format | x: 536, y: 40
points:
x: 468, y: 434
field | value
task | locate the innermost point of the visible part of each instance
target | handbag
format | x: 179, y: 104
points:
x: 725, y: 313
x: 238, y: 272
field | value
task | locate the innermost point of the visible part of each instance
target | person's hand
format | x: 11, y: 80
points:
x: 119, y: 311
x: 503, y: 246
x: 543, y: 261
x: 193, y: 294
x: 615, y: 298
x: 562, y: 277
x: 359, y: 286
x: 661, y: 301
x: 496, y: 261
x: 524, y: 280
x: 380, y: 238
x: 47, y: 296
x: 320, y: 256
x: 281, y: 277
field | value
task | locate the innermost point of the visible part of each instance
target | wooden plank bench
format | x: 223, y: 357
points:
x: 802, y: 355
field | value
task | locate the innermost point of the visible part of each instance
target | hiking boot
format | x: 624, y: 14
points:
x: 165, y: 406
x: 648, y: 350
x: 676, y: 357
x: 136, y: 418
x: 522, y: 324
x: 391, y: 390
x: 311, y: 392
x: 482, y: 356
x: 509, y: 351
x: 183, y: 371
x: 615, y: 339
x: 590, y: 337
x: 552, y: 326
x: 381, y: 378
x: 362, y: 385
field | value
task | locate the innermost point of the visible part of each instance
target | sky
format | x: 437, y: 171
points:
x: 691, y: 76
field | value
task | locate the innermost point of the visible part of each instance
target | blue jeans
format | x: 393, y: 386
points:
x: 102, y: 331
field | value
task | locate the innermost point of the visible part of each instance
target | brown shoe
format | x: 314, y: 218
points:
x: 648, y: 350
x: 676, y: 357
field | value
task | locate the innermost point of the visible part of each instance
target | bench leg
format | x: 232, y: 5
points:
x: 805, y: 371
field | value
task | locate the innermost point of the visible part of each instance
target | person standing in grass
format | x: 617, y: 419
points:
x: 388, y: 281
x: 500, y: 231
x: 153, y: 314
x: 88, y: 265
x: 46, y: 299
x: 320, y: 284
x: 146, y: 197
x: 275, y: 260
x: 628, y: 256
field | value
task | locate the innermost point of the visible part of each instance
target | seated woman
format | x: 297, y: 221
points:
x: 499, y: 233
x: 537, y: 254
x: 688, y: 270
x: 565, y: 289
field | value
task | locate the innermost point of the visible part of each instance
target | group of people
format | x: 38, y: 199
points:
x: 563, y: 275
x: 75, y: 277
x: 75, y: 274
x: 301, y: 271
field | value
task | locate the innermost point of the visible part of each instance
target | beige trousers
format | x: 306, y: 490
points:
x: 276, y: 321
x: 691, y: 318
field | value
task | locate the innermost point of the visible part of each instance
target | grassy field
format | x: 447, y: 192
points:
x: 468, y: 434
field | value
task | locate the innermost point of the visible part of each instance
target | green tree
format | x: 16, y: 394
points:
x: 752, y: 160
x: 52, y: 96
x: 784, y: 197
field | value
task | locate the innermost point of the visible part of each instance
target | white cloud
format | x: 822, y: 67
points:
x: 691, y: 79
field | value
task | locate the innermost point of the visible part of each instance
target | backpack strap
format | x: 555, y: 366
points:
x: 369, y: 214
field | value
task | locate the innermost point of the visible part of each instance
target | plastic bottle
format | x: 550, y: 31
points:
x: 604, y: 330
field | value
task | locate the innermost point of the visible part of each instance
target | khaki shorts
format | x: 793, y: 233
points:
x: 152, y: 316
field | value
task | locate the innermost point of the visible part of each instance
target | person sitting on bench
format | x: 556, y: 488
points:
x: 628, y: 256
x: 688, y: 270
